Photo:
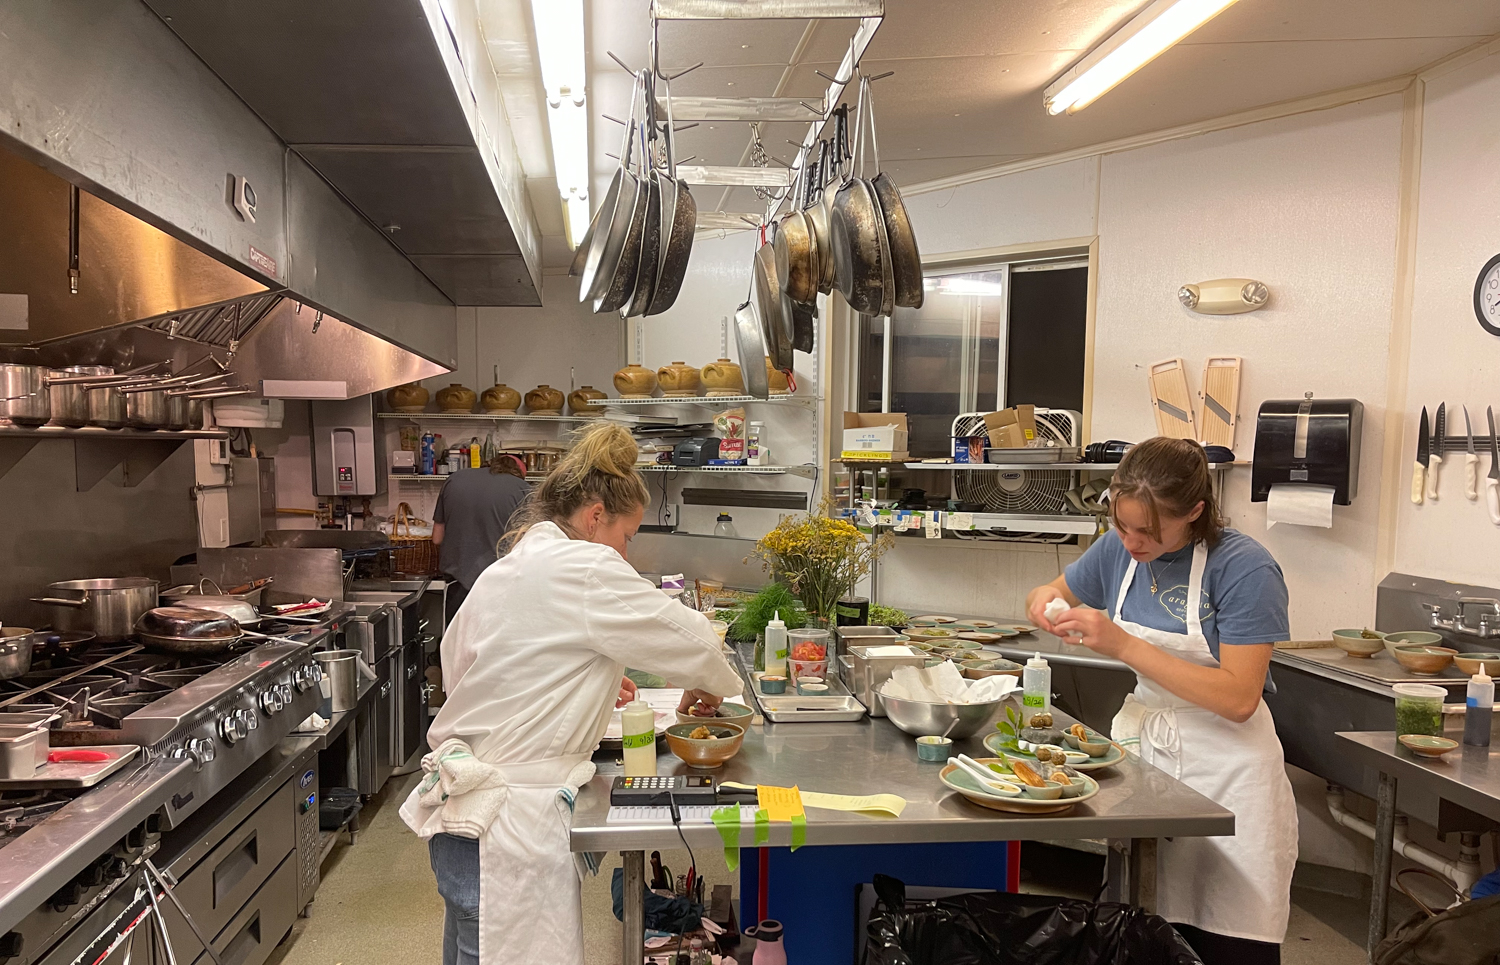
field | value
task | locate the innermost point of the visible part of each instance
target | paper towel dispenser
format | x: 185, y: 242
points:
x: 1313, y: 441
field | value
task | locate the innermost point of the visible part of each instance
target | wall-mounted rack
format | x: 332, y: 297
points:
x: 712, y: 401
x: 97, y: 451
x: 524, y: 417
x: 806, y: 472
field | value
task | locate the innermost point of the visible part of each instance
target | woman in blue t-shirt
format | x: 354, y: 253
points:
x: 1193, y: 608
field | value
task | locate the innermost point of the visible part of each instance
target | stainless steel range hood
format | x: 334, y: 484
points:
x: 143, y: 296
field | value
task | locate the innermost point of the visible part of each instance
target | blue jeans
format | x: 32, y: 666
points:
x: 455, y: 862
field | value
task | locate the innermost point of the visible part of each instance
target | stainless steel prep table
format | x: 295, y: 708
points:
x: 1467, y: 776
x: 1136, y: 804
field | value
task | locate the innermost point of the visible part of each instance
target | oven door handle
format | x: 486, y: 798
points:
x: 152, y: 872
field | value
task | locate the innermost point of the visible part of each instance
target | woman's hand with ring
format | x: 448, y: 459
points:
x: 1095, y: 630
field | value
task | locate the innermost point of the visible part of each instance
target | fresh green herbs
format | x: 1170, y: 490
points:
x: 1011, y: 728
x: 886, y: 616
x: 755, y: 614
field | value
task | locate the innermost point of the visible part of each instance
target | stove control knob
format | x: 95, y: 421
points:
x: 248, y: 716
x: 201, y: 751
x: 116, y: 869
x: 11, y: 944
x: 232, y: 728
x: 287, y: 694
x: 305, y: 679
x: 270, y: 701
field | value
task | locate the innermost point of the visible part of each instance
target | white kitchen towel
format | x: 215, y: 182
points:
x: 1300, y: 505
x: 468, y: 791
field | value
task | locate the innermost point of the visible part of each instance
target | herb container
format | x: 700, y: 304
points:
x: 1419, y: 709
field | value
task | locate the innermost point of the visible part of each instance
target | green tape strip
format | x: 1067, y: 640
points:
x: 799, y: 831
x: 762, y: 827
x: 727, y: 820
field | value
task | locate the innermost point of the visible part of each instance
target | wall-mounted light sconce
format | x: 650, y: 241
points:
x: 1224, y: 296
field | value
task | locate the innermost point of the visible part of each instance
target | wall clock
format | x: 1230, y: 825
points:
x: 1487, y: 296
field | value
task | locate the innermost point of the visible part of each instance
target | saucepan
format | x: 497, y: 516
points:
x: 108, y: 608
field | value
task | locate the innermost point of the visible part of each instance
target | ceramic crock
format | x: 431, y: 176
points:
x: 544, y: 400
x: 722, y: 377
x: 635, y: 382
x: 500, y: 398
x: 678, y: 380
x: 456, y: 398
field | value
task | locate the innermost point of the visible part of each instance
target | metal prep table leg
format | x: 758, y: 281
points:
x: 1380, y: 882
x: 1130, y: 872
x: 633, y: 898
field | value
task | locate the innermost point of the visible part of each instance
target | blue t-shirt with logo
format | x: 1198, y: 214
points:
x: 1244, y: 597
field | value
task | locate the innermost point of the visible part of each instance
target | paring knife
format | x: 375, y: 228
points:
x: 1471, y: 460
x: 1439, y: 440
x: 1492, y: 484
x: 1419, y: 471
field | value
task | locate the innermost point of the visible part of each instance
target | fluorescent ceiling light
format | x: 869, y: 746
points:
x: 1130, y: 48
x: 559, y: 42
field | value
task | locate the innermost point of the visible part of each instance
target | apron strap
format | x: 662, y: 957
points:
x: 1194, y: 604
x: 1124, y: 588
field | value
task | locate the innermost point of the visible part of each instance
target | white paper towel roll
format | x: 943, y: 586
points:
x: 1300, y: 505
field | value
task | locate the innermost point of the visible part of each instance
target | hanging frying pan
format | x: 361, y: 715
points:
x: 796, y: 251
x: 860, y: 247
x: 906, y: 260
x: 628, y: 226
x: 649, y: 260
x: 833, y: 176
x: 804, y: 325
x: 613, y: 228
x: 775, y: 309
x: 679, y: 219
x: 752, y: 348
x: 581, y: 254
x: 817, y: 216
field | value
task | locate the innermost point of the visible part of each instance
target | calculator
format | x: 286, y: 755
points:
x: 660, y: 791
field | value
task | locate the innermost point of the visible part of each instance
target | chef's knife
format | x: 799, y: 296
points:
x: 1471, y: 460
x: 1439, y: 440
x: 1492, y: 484
x: 1419, y: 471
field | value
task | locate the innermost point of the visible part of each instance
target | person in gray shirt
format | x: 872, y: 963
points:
x: 473, y: 511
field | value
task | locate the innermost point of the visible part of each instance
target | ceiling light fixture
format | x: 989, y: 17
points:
x: 559, y: 43
x: 1127, y: 50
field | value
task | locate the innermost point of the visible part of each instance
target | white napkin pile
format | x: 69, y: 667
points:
x: 1055, y: 609
x: 943, y: 684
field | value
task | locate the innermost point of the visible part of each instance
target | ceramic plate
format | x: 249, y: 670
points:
x: 982, y: 624
x: 921, y: 633
x: 1424, y: 746
x: 932, y: 620
x: 286, y: 610
x: 964, y: 783
x: 1021, y: 627
x: 1110, y: 759
x: 991, y: 636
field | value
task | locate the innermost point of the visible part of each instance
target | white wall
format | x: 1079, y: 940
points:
x: 1307, y: 204
x: 1452, y: 358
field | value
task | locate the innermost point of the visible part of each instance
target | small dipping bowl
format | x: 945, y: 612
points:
x: 809, y: 689
x: 1049, y: 793
x: 1411, y: 638
x: 1093, y: 748
x: 1426, y: 661
x: 772, y: 684
x: 937, y: 749
x: 721, y: 629
x: 1075, y: 788
x: 1473, y: 663
x: 1356, y: 644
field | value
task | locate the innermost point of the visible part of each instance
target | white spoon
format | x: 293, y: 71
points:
x: 985, y: 776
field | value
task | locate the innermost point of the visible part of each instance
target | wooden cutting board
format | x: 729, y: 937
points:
x: 1172, y: 400
x: 1221, y: 399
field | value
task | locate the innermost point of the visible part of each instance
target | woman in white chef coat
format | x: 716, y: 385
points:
x: 532, y: 666
x: 1193, y: 608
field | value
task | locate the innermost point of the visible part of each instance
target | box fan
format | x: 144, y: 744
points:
x: 1038, y: 491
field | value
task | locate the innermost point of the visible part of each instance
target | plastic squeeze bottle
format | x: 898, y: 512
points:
x: 1479, y: 709
x: 1036, y: 687
x: 776, y: 645
x: 639, y: 731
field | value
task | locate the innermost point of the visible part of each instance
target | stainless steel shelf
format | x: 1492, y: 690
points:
x: 1070, y: 466
x: 1010, y: 522
x: 419, y: 477
x: 804, y: 471
x: 520, y: 417
x: 95, y: 432
x: 710, y: 400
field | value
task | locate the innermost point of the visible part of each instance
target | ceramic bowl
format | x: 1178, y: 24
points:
x: 934, y: 748
x: 1473, y: 663
x: 705, y: 753
x: 1425, y: 746
x: 773, y: 685
x: 1093, y: 748
x: 1049, y: 793
x: 1425, y: 660
x: 812, y: 687
x: 1075, y: 788
x: 729, y: 713
x: 1411, y: 638
x: 1355, y: 644
x: 940, y: 635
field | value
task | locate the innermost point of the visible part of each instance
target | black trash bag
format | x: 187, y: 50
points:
x: 1005, y: 929
x: 675, y: 915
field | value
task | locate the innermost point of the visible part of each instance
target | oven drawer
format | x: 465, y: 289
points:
x: 217, y: 887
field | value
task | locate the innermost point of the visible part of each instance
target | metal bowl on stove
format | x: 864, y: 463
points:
x: 15, y: 656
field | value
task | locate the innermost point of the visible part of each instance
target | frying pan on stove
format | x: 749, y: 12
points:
x: 192, y: 631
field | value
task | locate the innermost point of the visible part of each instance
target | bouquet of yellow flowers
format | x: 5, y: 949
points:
x: 820, y: 557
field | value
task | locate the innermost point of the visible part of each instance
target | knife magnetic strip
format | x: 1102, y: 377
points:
x: 1459, y: 443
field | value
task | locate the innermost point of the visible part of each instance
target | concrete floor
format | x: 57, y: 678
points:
x: 378, y: 904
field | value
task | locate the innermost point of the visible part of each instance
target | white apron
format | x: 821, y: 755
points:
x: 1237, y: 886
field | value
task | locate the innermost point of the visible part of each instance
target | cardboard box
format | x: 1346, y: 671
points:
x: 868, y: 433
x: 1011, y: 428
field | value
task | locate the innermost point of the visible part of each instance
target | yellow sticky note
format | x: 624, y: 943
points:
x: 881, y: 803
x: 781, y: 803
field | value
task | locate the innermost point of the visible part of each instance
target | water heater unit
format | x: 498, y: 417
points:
x: 348, y: 448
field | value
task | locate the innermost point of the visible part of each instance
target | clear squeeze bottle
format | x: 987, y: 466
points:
x: 638, y: 724
x: 776, y: 646
x: 1036, y: 687
x: 1479, y: 709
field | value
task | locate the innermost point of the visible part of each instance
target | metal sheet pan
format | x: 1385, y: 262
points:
x: 839, y: 705
x: 75, y: 775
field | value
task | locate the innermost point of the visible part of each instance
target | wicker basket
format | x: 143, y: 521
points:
x: 415, y: 555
